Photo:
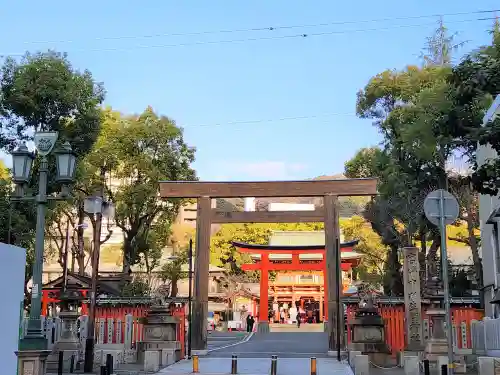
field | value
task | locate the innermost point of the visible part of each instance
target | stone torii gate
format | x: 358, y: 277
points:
x: 204, y: 192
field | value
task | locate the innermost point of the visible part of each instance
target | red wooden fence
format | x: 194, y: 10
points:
x: 119, y: 313
x: 394, y: 318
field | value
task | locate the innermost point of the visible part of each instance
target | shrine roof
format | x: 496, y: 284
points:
x: 108, y: 285
x: 285, y: 248
x: 299, y: 238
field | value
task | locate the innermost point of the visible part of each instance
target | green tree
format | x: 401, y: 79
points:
x: 475, y: 82
x: 43, y: 92
x: 139, y: 152
x: 371, y: 268
x: 19, y: 226
x: 173, y: 271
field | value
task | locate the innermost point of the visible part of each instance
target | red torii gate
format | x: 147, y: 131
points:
x: 264, y: 265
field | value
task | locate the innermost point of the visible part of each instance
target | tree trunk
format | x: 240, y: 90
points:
x: 127, y: 254
x: 474, y: 247
x: 393, y: 284
x: 421, y: 257
x: 174, y: 288
x: 80, y: 253
x: 432, y: 262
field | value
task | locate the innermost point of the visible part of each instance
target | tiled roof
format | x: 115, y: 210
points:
x: 298, y: 238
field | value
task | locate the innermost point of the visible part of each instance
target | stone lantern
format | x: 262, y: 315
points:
x: 368, y: 333
x: 159, y: 346
x: 68, y: 342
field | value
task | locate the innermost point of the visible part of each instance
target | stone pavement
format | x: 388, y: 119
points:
x: 282, y: 344
x: 259, y: 366
x: 217, y: 339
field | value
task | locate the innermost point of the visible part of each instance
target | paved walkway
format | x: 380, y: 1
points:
x: 282, y: 344
x: 259, y: 366
x: 223, y: 339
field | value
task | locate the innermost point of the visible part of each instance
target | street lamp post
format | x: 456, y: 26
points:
x: 34, y: 344
x: 97, y: 208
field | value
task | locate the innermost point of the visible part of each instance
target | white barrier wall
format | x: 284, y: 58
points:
x: 12, y: 267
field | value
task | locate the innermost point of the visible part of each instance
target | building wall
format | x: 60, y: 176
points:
x: 187, y: 213
x: 489, y: 243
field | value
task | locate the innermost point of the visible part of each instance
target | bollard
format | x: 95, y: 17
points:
x: 313, y: 366
x: 427, y: 369
x: 72, y: 364
x: 234, y: 364
x: 444, y: 369
x: 103, y: 370
x: 274, y: 365
x: 196, y: 368
x: 109, y: 364
x: 60, y: 363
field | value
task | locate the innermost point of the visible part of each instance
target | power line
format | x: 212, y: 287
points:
x: 268, y: 28
x: 243, y: 40
x: 261, y: 121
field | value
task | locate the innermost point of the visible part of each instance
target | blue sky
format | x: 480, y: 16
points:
x: 223, y: 93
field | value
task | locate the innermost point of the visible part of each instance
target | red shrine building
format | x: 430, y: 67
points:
x: 297, y: 283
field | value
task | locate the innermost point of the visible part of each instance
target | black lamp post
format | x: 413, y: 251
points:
x: 22, y: 161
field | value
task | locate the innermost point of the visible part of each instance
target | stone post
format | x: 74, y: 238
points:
x: 32, y: 362
x: 413, y: 307
x: 411, y: 365
x: 352, y: 355
x: 486, y: 365
x: 361, y: 365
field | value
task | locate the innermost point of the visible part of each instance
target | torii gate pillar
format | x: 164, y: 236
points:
x: 263, y: 324
x: 201, y: 274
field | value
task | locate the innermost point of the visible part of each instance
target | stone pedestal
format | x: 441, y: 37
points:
x: 437, y: 345
x: 263, y: 327
x: 160, y: 332
x: 68, y: 343
x: 32, y: 362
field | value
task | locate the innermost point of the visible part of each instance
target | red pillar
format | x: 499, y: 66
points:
x: 45, y: 302
x: 264, y: 289
x: 84, y: 306
x: 325, y: 290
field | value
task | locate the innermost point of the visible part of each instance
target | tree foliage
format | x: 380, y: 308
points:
x: 43, y: 92
x: 174, y: 271
x: 371, y: 268
x: 138, y: 152
x: 427, y: 115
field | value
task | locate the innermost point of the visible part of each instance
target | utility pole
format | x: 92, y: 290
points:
x: 90, y: 342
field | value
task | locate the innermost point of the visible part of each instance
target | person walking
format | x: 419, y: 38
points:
x: 252, y: 322
x: 249, y: 319
x: 298, y: 320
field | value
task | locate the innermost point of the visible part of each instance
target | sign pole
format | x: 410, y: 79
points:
x: 444, y: 266
x: 441, y: 208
